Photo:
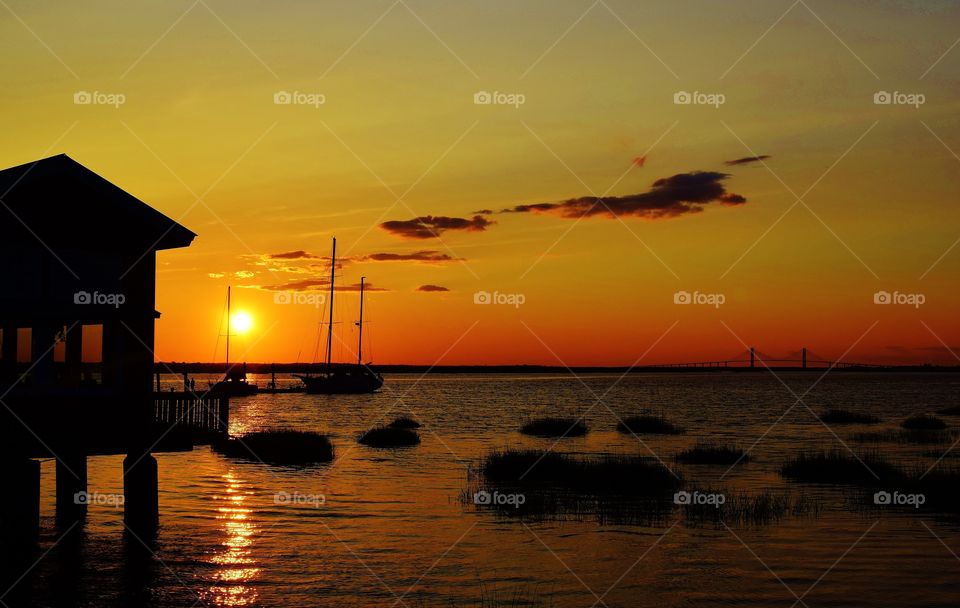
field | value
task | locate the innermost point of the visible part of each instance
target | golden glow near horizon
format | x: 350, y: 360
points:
x: 302, y: 122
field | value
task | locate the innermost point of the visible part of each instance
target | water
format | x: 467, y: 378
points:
x: 392, y: 529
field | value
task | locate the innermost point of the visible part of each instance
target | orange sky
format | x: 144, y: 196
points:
x: 854, y: 198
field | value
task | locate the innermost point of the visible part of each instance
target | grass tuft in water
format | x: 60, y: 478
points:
x: 404, y: 422
x: 389, y: 437
x: 842, y: 468
x: 601, y: 474
x: 281, y: 446
x: 655, y: 424
x: 752, y: 509
x: 901, y: 436
x: 842, y: 416
x: 704, y: 453
x: 555, y: 427
x: 924, y: 422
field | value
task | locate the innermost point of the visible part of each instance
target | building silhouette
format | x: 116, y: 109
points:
x: 77, y: 314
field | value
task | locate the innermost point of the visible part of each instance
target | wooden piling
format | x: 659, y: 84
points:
x: 141, y: 508
x: 20, y: 509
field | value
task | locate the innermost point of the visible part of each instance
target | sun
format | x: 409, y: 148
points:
x: 241, y: 322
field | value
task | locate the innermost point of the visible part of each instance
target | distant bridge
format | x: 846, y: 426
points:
x: 754, y: 359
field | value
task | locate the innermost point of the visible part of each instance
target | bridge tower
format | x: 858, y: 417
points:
x: 753, y: 357
x: 804, y: 357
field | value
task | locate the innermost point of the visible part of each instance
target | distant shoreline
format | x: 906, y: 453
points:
x: 301, y: 368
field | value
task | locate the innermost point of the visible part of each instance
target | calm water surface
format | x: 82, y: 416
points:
x: 393, y: 531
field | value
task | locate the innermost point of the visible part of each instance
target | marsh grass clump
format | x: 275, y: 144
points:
x: 389, y: 437
x: 600, y: 475
x: 923, y: 422
x: 609, y: 489
x: 555, y: 427
x: 940, y: 487
x: 704, y: 453
x: 753, y: 509
x: 655, y: 424
x: 842, y: 416
x: 282, y: 446
x: 519, y: 597
x: 902, y: 436
x: 842, y: 468
x: 404, y: 422
x: 935, y: 489
x: 950, y: 411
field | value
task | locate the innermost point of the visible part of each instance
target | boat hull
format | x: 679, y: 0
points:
x: 343, y: 383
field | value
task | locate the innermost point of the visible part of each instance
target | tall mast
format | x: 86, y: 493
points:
x: 228, y: 328
x: 333, y: 273
x: 360, y: 325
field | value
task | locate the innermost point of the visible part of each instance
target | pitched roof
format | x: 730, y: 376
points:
x: 61, y: 202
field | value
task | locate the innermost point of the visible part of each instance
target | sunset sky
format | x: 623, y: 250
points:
x: 847, y: 198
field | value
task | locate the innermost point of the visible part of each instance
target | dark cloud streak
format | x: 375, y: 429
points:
x: 432, y: 226
x: 669, y: 197
x: 746, y: 160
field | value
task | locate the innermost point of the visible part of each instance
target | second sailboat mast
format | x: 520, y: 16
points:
x: 333, y: 273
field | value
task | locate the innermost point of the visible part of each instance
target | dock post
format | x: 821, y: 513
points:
x: 71, y: 486
x: 20, y: 508
x: 141, y: 510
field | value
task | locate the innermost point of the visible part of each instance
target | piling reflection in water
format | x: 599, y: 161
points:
x: 235, y: 565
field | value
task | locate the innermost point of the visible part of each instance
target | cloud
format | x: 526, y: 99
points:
x: 432, y: 288
x: 292, y: 255
x: 669, y: 197
x: 747, y: 160
x: 731, y: 200
x: 317, y: 285
x: 215, y: 275
x: 432, y: 226
x: 356, y: 287
x: 428, y: 255
x: 243, y: 274
x: 304, y: 285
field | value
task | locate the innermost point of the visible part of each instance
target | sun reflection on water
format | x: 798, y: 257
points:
x: 236, y: 567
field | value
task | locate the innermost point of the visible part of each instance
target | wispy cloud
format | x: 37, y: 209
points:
x: 669, y: 197
x: 432, y: 226
x: 746, y: 160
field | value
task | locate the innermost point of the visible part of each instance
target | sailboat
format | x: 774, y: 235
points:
x: 234, y: 382
x: 354, y: 379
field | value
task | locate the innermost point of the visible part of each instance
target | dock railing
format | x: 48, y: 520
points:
x: 188, y: 411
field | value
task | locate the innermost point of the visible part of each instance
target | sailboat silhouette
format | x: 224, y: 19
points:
x: 356, y: 379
